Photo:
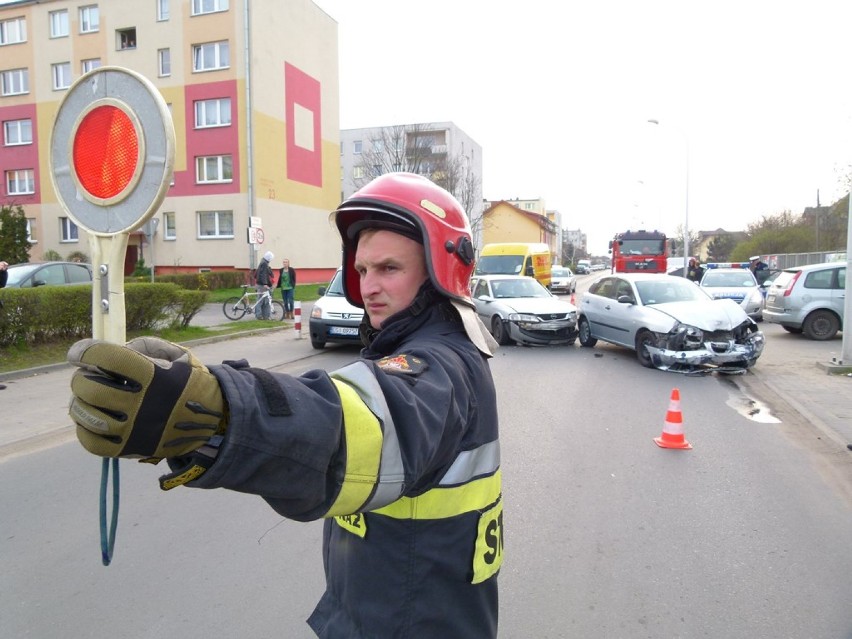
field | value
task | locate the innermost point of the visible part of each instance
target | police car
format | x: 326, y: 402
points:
x: 734, y: 281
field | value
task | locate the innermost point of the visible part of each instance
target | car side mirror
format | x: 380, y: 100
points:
x: 626, y: 299
x: 321, y: 291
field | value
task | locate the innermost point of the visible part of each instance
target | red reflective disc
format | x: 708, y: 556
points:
x: 106, y: 151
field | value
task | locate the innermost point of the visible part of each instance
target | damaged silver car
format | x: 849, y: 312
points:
x: 671, y: 323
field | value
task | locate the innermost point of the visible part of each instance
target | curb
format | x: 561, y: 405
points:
x: 47, y: 368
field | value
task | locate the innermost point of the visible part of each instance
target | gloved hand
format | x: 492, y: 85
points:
x: 148, y: 399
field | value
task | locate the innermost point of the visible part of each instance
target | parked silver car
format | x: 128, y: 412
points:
x: 671, y: 323
x: 808, y: 299
x: 738, y: 284
x: 562, y: 280
x: 518, y: 308
x: 33, y: 274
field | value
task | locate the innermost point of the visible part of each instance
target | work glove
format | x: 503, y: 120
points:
x: 149, y: 400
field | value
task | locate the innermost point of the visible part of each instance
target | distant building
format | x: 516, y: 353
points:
x: 440, y: 151
x: 502, y: 221
x: 253, y: 92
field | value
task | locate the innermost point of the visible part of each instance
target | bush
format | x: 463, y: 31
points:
x: 48, y: 313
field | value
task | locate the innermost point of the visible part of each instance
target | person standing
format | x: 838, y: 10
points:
x: 398, y: 451
x: 264, y: 280
x: 694, y: 271
x: 287, y: 284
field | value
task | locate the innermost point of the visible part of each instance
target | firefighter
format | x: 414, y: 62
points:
x: 398, y: 451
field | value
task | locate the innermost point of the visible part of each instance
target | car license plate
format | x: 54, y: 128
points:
x: 343, y: 330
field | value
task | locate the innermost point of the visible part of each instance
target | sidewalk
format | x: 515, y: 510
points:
x: 790, y: 371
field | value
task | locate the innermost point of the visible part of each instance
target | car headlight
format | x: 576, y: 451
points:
x: 316, y: 312
x: 685, y: 337
x: 523, y: 317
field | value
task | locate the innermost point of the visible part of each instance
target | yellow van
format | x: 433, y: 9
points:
x: 516, y: 258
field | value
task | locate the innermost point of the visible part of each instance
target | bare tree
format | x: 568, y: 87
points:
x: 418, y: 148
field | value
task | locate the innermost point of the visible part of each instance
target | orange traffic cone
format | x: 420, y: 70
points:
x: 672, y: 436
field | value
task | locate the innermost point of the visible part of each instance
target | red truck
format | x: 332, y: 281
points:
x: 639, y: 252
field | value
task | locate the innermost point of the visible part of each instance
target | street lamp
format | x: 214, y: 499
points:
x: 686, y: 201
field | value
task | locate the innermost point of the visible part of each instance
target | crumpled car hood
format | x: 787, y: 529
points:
x: 538, y: 305
x: 713, y: 315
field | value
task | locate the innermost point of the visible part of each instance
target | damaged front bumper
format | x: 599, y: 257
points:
x: 712, y: 354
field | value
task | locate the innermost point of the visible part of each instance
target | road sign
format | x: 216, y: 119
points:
x: 260, y: 236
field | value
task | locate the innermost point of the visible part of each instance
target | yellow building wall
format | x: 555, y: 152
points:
x: 504, y: 223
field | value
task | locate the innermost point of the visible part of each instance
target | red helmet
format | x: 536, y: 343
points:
x: 416, y: 207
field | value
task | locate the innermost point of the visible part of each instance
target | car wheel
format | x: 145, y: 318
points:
x: 317, y: 344
x: 643, y: 339
x: 796, y: 330
x: 821, y: 325
x: 585, y: 331
x: 499, y: 331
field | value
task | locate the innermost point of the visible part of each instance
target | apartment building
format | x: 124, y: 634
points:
x: 252, y: 87
x: 439, y: 150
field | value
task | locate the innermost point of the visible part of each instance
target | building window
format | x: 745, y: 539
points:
x: 357, y: 145
x: 61, y: 75
x: 90, y: 64
x: 68, y: 230
x: 59, y: 24
x: 20, y: 182
x: 31, y: 227
x: 163, y: 10
x: 90, y: 19
x: 164, y: 62
x: 125, y: 38
x: 200, y: 7
x: 215, y: 224
x: 358, y: 172
x: 169, y: 230
x: 210, y: 56
x: 15, y: 81
x: 213, y: 169
x: 13, y: 31
x: 17, y: 132
x: 215, y: 112
x: 378, y: 146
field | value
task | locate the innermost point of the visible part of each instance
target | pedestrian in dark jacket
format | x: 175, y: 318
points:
x: 694, y: 271
x: 287, y: 284
x: 398, y: 451
x: 264, y: 281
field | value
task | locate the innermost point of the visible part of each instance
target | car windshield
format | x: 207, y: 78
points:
x: 491, y: 264
x: 718, y: 279
x: 335, y: 287
x: 18, y: 273
x: 560, y: 271
x: 672, y: 289
x: 503, y: 289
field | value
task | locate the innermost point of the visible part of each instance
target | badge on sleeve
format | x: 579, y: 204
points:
x: 402, y: 364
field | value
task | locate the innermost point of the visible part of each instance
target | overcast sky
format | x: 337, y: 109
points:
x: 756, y: 94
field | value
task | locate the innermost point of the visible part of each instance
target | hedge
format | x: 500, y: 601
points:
x: 50, y: 313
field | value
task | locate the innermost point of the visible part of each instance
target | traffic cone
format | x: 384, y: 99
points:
x: 672, y: 436
x: 572, y: 299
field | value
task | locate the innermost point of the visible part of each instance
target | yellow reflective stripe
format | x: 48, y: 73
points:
x: 363, y: 435
x: 441, y: 503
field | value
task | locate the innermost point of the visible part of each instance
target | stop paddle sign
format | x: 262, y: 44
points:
x: 112, y: 159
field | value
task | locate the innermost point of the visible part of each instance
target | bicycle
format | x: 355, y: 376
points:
x: 237, y: 307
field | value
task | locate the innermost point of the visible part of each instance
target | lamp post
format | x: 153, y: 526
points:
x: 686, y: 201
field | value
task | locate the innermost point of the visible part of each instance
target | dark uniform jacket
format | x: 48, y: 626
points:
x: 399, y: 451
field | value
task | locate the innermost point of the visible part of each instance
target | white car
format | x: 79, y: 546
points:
x: 562, y: 280
x: 518, y: 308
x: 738, y: 284
x: 671, y: 323
x: 333, y: 318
